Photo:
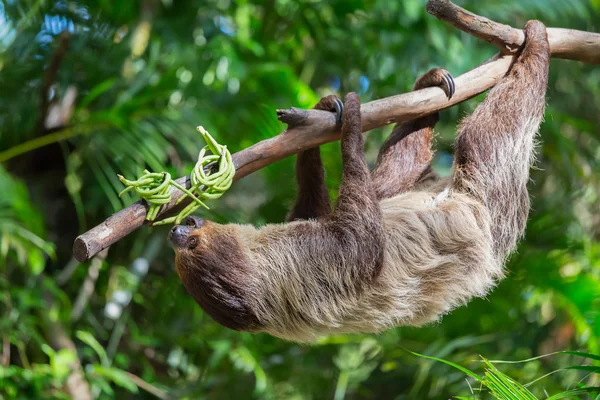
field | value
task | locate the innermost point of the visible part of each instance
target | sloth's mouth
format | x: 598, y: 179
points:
x: 178, y: 236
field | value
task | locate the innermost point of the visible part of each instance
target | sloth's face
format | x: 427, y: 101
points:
x: 215, y: 272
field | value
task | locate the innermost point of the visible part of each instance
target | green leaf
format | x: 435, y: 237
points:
x: 117, y: 376
x: 62, y: 363
x: 581, y: 354
x: 49, y: 351
x: 589, y: 368
x: 573, y: 353
x: 97, y: 91
x: 503, y: 387
x: 463, y: 369
x: 571, y: 394
x: 91, y: 341
x: 244, y: 360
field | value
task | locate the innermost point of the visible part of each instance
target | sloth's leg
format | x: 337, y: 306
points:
x: 495, y: 145
x: 356, y: 224
x: 313, y: 198
x: 405, y: 156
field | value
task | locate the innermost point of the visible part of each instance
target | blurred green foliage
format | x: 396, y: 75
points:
x: 145, y: 74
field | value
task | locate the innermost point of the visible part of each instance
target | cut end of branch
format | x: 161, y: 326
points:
x: 81, y: 251
x: 292, y: 117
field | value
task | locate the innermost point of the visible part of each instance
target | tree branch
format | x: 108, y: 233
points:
x: 310, y: 128
x: 565, y: 43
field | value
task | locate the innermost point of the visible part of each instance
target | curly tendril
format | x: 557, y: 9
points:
x: 211, y: 177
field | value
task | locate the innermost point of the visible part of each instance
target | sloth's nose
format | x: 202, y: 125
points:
x: 178, y: 235
x: 178, y: 230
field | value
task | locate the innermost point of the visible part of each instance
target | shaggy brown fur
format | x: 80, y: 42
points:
x: 405, y: 157
x: 398, y: 249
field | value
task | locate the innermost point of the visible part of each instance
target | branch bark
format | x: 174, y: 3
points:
x: 310, y: 128
x: 565, y: 43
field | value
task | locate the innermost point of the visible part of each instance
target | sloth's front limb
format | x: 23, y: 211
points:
x: 405, y: 157
x: 313, y: 198
x: 356, y: 223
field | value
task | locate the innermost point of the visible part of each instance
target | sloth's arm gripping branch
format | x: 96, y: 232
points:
x: 310, y: 128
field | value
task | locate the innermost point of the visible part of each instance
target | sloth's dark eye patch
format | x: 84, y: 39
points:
x: 192, y: 242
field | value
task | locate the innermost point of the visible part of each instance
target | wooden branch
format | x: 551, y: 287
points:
x: 310, y: 128
x: 565, y: 43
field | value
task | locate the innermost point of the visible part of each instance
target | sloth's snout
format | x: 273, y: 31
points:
x: 179, y: 234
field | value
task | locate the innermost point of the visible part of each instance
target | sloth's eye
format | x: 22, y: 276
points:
x: 192, y: 242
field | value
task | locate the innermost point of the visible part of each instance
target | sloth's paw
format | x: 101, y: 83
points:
x: 331, y: 103
x: 437, y: 77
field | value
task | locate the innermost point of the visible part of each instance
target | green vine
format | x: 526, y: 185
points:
x: 211, y: 177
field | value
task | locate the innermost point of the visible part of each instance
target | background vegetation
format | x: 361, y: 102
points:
x: 145, y: 73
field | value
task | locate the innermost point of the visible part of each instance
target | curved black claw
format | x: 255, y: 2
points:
x: 339, y: 110
x: 437, y: 77
x: 448, y: 86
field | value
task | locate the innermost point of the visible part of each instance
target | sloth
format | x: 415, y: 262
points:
x: 401, y: 246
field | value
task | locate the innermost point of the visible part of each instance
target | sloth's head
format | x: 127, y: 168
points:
x: 214, y: 270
